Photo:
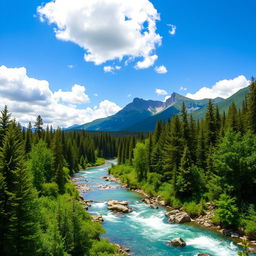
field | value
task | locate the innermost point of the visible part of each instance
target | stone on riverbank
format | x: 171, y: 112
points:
x: 97, y: 218
x: 177, y: 216
x: 177, y: 242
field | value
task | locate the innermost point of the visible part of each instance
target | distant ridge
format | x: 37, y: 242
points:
x: 142, y: 115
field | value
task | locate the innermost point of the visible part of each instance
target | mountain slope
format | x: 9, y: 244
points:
x: 175, y: 103
x: 237, y: 98
x: 134, y: 112
x: 142, y: 115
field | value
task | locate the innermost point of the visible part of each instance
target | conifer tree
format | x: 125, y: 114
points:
x: 185, y: 176
x: 60, y: 177
x: 20, y: 228
x: 39, y: 126
x: 4, y: 123
x: 252, y: 106
x: 28, y: 138
x: 210, y: 124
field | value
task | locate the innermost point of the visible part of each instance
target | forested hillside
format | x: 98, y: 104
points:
x: 40, y: 212
x: 188, y: 163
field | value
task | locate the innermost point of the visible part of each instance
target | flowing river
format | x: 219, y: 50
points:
x: 146, y: 231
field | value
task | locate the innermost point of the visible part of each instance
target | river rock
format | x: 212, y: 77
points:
x: 153, y: 206
x: 97, y: 218
x: 204, y: 254
x: 176, y: 216
x: 177, y: 242
x: 117, y: 206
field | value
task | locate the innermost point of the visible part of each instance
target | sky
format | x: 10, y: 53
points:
x: 73, y: 61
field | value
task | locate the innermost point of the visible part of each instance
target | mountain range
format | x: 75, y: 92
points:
x: 142, y: 115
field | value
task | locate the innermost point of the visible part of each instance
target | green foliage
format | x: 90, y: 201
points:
x: 50, y: 189
x: 41, y: 164
x: 99, y: 161
x: 34, y: 218
x: 19, y: 226
x: 227, y: 212
x: 103, y: 248
x: 140, y: 161
x: 194, y: 209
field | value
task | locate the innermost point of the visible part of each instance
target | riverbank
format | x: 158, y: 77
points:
x: 179, y: 215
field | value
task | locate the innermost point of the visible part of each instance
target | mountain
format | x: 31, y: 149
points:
x: 134, y: 112
x: 142, y: 115
x: 173, y: 106
x: 223, y: 106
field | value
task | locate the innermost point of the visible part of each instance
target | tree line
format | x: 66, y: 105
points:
x: 188, y: 163
x: 40, y: 213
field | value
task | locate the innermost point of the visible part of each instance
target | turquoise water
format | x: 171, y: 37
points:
x: 145, y: 231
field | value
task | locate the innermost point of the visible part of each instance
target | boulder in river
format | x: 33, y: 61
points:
x: 177, y: 242
x: 153, y: 206
x: 204, y: 254
x: 117, y: 206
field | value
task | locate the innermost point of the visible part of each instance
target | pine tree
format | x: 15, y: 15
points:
x: 28, y: 138
x: 60, y: 177
x: 4, y: 123
x: 252, y: 106
x: 210, y: 124
x: 185, y: 176
x: 20, y: 228
x: 39, y: 126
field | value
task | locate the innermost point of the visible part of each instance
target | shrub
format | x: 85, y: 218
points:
x: 50, y: 189
x: 227, y: 211
x: 103, y: 248
x: 194, y: 209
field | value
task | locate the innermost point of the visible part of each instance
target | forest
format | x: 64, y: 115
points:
x: 189, y: 163
x: 185, y: 162
x: 40, y: 212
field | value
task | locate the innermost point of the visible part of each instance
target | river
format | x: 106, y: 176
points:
x: 146, y: 231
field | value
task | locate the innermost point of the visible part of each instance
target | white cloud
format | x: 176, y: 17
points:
x: 106, y: 29
x: 71, y: 66
x: 173, y: 29
x: 28, y: 97
x: 108, y: 69
x: 161, y: 92
x: 76, y: 96
x: 111, y: 69
x: 183, y: 89
x: 146, y: 62
x: 224, y: 88
x: 161, y: 70
x: 129, y: 95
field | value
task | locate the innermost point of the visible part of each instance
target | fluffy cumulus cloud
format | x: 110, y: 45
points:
x: 28, y: 97
x: 76, y: 96
x: 161, y: 70
x: 223, y: 88
x: 161, y: 92
x: 106, y: 29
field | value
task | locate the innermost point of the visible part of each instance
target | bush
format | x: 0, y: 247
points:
x: 227, y: 211
x: 194, y: 209
x: 50, y: 189
x: 166, y: 192
x: 250, y: 229
x: 103, y: 248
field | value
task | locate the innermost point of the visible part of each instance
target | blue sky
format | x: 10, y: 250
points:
x: 214, y: 41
